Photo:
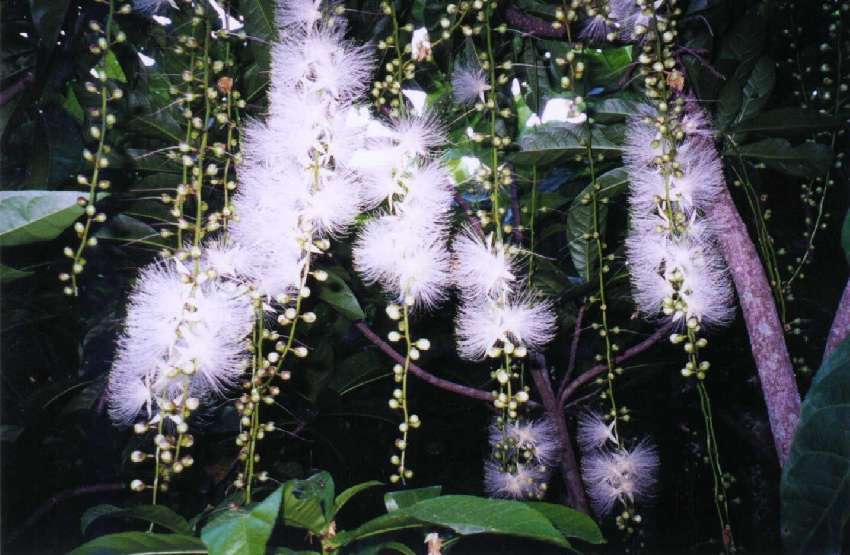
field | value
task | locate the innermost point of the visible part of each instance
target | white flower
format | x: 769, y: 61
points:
x: 524, y: 483
x: 420, y: 44
x: 562, y: 110
x: 469, y: 84
x: 482, y: 266
x: 532, y: 121
x: 620, y: 475
x: 594, y: 432
x: 304, y: 13
x: 175, y: 329
x: 408, y: 259
x: 523, y: 321
x: 516, y: 90
x: 539, y: 437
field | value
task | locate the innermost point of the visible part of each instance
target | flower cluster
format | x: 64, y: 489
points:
x: 101, y: 120
x: 524, y: 451
x: 190, y: 315
x: 404, y: 247
x: 614, y: 474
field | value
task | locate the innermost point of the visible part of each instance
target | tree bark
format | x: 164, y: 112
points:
x: 570, y: 473
x: 767, y: 338
x: 840, y: 324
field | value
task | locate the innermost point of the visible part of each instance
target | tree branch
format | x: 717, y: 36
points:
x: 571, y: 364
x: 840, y: 328
x: 569, y: 464
x: 778, y: 384
x: 599, y: 369
x: 423, y: 375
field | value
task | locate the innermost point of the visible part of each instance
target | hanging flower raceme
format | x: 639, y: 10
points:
x: 404, y: 247
x: 624, y: 476
x: 524, y: 454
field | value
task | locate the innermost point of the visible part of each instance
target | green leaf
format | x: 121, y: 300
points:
x: 309, y: 503
x: 815, y: 486
x: 788, y: 122
x: 338, y: 294
x: 569, y: 522
x: 580, y: 229
x: 607, y: 64
x: 468, y: 515
x: 553, y: 143
x: 260, y: 26
x: 614, y: 109
x: 404, y: 498
x: 157, y: 514
x: 32, y: 216
x: 241, y: 532
x: 7, y: 273
x: 396, y: 520
x: 346, y: 495
x: 113, y: 67
x: 746, y: 93
x: 804, y: 160
x: 136, y: 543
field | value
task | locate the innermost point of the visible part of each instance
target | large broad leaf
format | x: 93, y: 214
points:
x: 553, y: 143
x: 157, y: 514
x: 803, y: 160
x: 788, y: 122
x: 606, y: 65
x: 571, y: 523
x: 346, y: 495
x: 240, y: 532
x: 135, y: 543
x: 469, y: 515
x: 746, y: 93
x: 815, y: 487
x: 309, y: 503
x: 31, y: 216
x: 404, y: 498
x: 338, y: 294
x: 261, y: 28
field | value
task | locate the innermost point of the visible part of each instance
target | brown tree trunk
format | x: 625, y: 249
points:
x: 767, y: 337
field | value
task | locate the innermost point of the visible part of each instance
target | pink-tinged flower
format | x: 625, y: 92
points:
x: 596, y: 29
x: 482, y: 266
x: 616, y: 476
x: 539, y: 437
x: 469, y: 84
x: 520, y: 320
x: 594, y: 432
x: 526, y: 482
x: 300, y: 13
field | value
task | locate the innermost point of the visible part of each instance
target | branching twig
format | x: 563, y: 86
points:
x: 571, y: 364
x: 456, y: 388
x: 599, y: 369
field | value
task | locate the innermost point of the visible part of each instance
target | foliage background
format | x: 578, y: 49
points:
x: 56, y: 351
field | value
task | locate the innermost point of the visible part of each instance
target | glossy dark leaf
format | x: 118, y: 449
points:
x: 789, y: 122
x: 243, y: 532
x: 157, y: 514
x: 135, y: 543
x: 349, y: 493
x: 804, y: 160
x: 815, y: 487
x: 339, y: 295
x: 404, y: 498
x: 553, y: 143
x: 571, y: 523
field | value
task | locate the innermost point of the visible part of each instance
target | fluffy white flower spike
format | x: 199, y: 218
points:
x: 523, y: 483
x: 482, y: 266
x: 484, y: 326
x: 622, y: 475
x: 174, y: 329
